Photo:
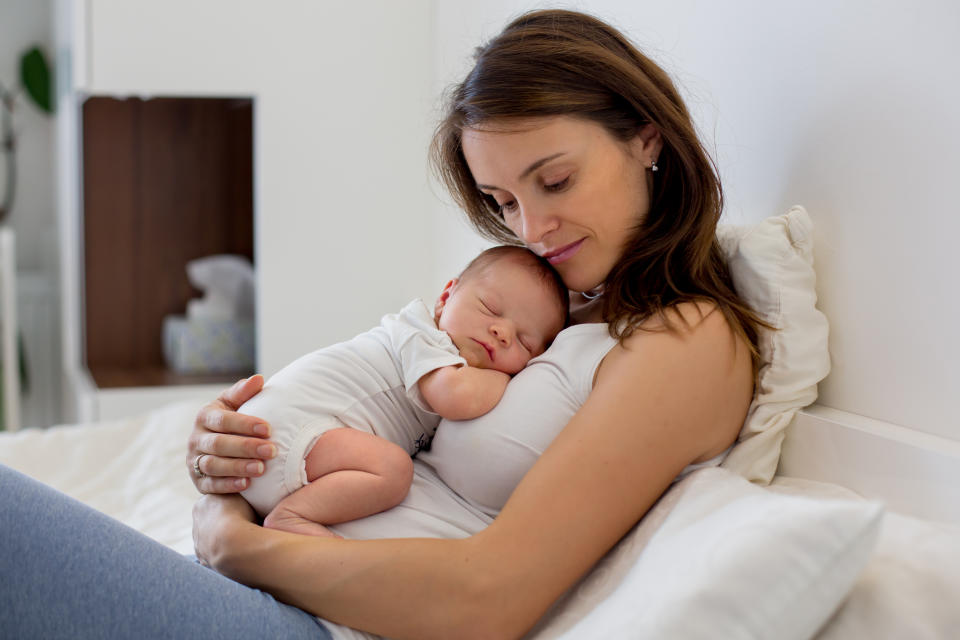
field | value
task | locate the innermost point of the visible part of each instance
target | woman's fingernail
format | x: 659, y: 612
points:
x: 255, y: 467
x: 261, y: 429
x: 240, y: 483
x: 266, y: 451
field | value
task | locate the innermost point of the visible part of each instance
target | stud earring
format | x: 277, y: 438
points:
x: 653, y: 166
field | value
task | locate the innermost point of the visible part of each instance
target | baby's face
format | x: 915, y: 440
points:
x: 501, y: 316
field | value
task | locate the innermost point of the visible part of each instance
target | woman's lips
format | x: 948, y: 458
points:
x: 487, y: 347
x: 563, y: 253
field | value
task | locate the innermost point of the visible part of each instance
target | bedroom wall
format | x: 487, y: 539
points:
x: 847, y: 108
x: 342, y: 106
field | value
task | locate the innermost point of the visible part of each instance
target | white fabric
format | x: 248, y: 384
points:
x: 911, y: 586
x: 367, y: 383
x: 718, y: 557
x: 484, y: 459
x: 772, y: 268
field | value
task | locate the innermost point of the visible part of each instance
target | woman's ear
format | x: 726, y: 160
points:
x: 647, y: 144
x: 442, y: 300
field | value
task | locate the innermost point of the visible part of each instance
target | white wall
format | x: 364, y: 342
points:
x: 342, y: 115
x: 847, y: 108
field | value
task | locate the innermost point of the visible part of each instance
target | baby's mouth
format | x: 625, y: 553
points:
x: 487, y: 347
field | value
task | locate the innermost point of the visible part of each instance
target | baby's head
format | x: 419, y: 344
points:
x: 504, y: 309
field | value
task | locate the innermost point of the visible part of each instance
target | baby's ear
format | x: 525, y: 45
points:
x: 442, y: 300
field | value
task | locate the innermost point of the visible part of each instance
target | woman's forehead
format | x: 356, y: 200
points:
x: 506, y: 152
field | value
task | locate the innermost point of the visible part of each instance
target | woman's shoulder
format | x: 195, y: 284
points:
x: 698, y: 330
x: 697, y: 360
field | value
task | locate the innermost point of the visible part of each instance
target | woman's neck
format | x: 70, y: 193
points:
x: 585, y: 309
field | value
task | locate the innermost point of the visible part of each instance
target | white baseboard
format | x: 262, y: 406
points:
x: 914, y: 473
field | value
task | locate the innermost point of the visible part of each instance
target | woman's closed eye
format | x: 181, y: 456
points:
x: 559, y: 185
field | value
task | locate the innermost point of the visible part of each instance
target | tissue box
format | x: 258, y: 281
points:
x: 208, y: 345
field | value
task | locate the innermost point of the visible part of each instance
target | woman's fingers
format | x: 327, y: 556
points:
x: 220, y: 467
x: 241, y: 391
x: 222, y: 485
x: 226, y: 474
x: 211, y: 484
x: 227, y: 448
x: 215, y: 417
x: 226, y: 445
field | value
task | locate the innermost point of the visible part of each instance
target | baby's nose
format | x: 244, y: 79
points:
x: 501, y: 333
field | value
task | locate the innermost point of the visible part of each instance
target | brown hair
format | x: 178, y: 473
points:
x: 556, y: 62
x: 539, y: 265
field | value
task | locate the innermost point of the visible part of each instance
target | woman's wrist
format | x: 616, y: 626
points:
x: 223, y: 528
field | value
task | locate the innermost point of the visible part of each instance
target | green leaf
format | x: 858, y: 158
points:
x: 35, y: 77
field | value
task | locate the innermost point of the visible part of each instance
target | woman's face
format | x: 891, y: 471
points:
x: 566, y: 187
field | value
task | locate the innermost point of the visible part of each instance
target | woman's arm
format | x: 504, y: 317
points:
x: 233, y: 445
x: 662, y: 401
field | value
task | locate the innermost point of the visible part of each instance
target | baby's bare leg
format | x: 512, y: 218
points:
x: 352, y: 474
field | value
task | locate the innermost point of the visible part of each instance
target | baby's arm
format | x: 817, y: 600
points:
x: 462, y: 393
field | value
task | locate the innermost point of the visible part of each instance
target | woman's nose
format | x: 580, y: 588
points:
x: 534, y: 223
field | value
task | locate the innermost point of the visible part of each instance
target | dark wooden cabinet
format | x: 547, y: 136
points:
x: 165, y: 181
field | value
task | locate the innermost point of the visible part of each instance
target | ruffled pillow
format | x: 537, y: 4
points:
x: 772, y: 268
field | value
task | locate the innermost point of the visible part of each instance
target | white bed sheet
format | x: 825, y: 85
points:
x: 134, y: 471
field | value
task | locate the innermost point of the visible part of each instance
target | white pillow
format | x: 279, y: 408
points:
x: 719, y: 557
x: 911, y: 584
x: 772, y: 268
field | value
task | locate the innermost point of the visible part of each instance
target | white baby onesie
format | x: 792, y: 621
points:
x: 367, y: 383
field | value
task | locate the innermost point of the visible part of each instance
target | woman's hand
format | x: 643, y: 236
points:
x: 213, y: 517
x: 228, y: 448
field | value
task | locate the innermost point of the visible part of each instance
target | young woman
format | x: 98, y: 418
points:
x: 568, y: 140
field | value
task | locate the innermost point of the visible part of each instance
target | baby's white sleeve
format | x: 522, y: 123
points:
x: 419, y: 347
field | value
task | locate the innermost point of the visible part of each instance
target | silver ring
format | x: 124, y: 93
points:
x: 196, y: 466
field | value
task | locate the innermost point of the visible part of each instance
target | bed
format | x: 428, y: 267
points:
x: 819, y: 524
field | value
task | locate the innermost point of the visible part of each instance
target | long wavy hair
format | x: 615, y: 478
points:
x: 565, y: 63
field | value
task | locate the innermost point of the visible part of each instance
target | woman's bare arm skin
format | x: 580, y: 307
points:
x: 661, y: 402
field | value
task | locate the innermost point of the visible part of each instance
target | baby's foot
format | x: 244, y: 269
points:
x: 283, y: 520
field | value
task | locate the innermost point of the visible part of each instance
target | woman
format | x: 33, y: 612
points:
x: 568, y: 140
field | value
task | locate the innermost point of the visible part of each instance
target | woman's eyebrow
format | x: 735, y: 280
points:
x: 533, y: 167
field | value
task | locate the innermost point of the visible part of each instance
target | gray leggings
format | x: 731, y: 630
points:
x: 68, y: 571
